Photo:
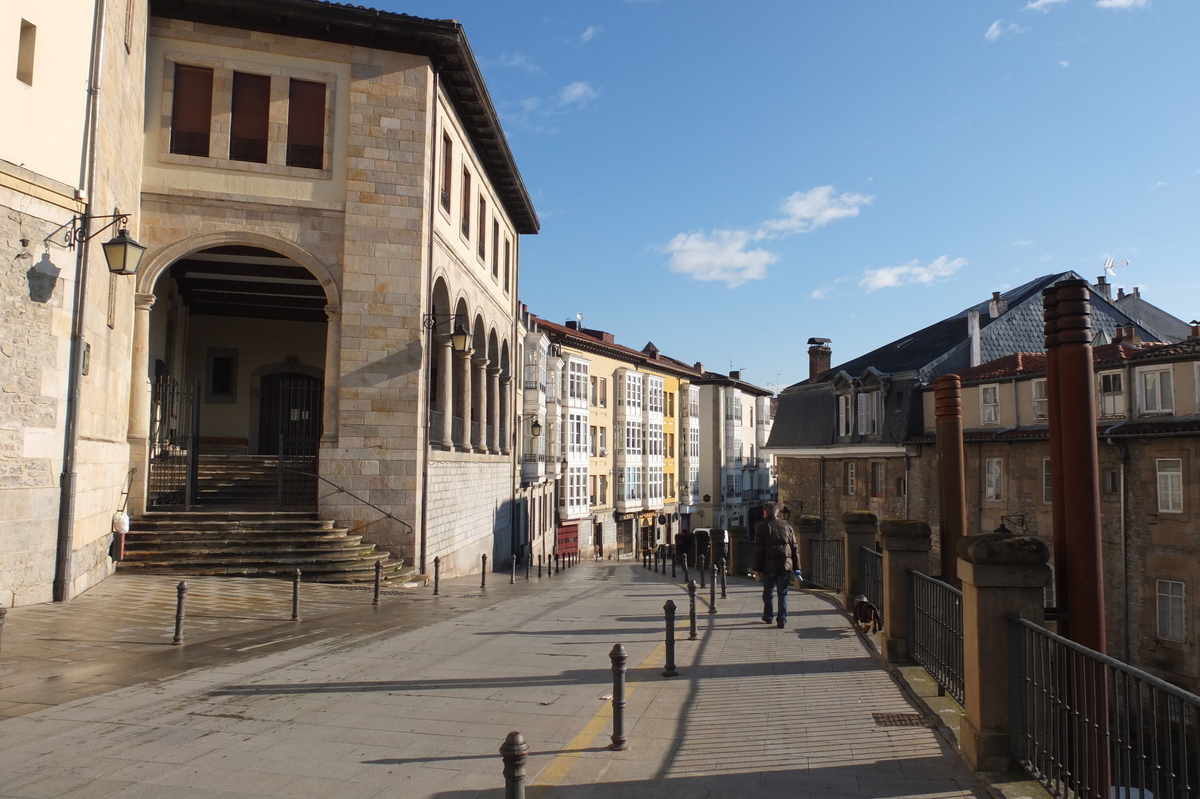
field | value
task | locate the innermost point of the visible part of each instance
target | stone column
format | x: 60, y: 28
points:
x: 951, y: 474
x: 333, y: 374
x: 493, y: 407
x: 1001, y: 575
x: 479, y: 401
x: 140, y: 388
x: 463, y: 442
x: 808, y: 529
x: 906, y: 546
x: 861, y: 529
x: 505, y: 414
x: 445, y: 356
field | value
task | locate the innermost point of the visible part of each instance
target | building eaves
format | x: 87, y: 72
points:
x: 582, y: 340
x: 716, y: 378
x: 443, y: 42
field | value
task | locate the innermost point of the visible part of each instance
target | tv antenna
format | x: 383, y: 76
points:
x: 1111, y: 267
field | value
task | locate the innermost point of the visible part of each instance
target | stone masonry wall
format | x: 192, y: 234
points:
x: 470, y: 506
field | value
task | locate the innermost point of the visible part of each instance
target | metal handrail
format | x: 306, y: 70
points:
x: 872, y: 574
x: 829, y: 564
x: 352, y: 495
x: 937, y: 632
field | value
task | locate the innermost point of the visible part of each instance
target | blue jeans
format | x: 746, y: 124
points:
x: 775, y: 583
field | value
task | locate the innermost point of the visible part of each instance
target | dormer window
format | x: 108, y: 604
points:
x: 1041, y: 405
x: 870, y: 413
x: 1157, y: 391
x: 1112, y: 394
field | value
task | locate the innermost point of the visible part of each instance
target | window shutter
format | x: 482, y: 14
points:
x: 306, y: 124
x: 862, y: 413
x: 191, y: 110
x: 250, y: 117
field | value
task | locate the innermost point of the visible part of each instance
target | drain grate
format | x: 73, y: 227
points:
x: 900, y: 720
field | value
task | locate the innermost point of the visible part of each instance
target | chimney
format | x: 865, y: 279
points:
x: 736, y: 374
x: 1195, y: 334
x: 973, y: 336
x: 1131, y: 337
x: 996, y: 305
x: 1120, y: 294
x: 1103, y: 288
x: 572, y: 324
x: 699, y: 367
x: 1137, y: 292
x: 819, y: 356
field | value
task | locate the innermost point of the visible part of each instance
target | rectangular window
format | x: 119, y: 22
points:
x: 989, y: 404
x: 603, y: 441
x: 1112, y: 394
x: 633, y: 438
x: 507, y: 247
x: 869, y: 403
x: 654, y: 395
x: 1041, y: 405
x: 694, y: 442
x: 848, y: 473
x: 249, y: 120
x: 633, y: 391
x: 306, y: 124
x: 1157, y: 393
x: 602, y: 393
x: 1172, y: 610
x: 602, y: 496
x: 993, y: 490
x: 592, y: 441
x: 495, y: 248
x: 845, y: 415
x: 1111, y: 483
x: 670, y: 453
x: 465, y: 222
x: 481, y: 247
x: 901, y: 486
x: 447, y: 170
x: 655, y: 481
x: 671, y: 404
x: 221, y: 376
x: 25, y: 47
x: 1170, y: 485
x: 593, y: 483
x: 191, y: 110
x: 878, y: 471
x: 1047, y: 489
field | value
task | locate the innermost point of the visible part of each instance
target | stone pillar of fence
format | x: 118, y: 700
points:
x: 1001, y: 575
x: 906, y: 547
x: 861, y: 528
x: 808, y: 529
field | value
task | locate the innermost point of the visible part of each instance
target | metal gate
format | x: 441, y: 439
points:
x: 174, y: 444
x: 299, y: 441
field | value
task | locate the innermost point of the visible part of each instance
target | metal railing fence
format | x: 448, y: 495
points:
x: 829, y: 564
x: 937, y: 631
x: 872, y: 576
x: 1088, y: 726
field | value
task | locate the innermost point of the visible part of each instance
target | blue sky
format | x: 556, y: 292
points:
x: 729, y: 179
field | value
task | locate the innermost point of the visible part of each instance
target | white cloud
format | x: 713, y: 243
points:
x: 1122, y: 3
x: 721, y: 256
x: 730, y: 255
x: 998, y: 29
x: 1158, y: 185
x: 910, y: 273
x: 589, y: 34
x: 519, y: 61
x: 819, y: 294
x: 1042, y: 5
x: 1064, y: 64
x: 1021, y: 243
x: 577, y: 93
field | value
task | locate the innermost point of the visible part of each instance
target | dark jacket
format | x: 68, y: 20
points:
x: 775, y: 547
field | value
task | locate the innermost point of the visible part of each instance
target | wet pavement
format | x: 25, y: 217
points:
x: 414, y: 697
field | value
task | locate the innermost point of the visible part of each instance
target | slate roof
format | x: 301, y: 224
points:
x: 807, y: 410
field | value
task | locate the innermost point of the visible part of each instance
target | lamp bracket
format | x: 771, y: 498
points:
x: 77, y: 229
x: 1015, y: 521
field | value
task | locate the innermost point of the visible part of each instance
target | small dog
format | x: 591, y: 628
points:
x: 867, y: 617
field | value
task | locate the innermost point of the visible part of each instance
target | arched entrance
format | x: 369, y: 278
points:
x: 236, y: 350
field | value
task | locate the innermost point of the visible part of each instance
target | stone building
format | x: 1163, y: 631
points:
x: 839, y: 437
x: 325, y: 195
x: 1148, y: 431
x: 72, y: 88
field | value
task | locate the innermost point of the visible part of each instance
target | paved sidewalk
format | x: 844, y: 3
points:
x: 415, y: 702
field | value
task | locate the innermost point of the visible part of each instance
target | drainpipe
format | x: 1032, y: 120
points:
x: 427, y: 349
x: 65, y: 543
x: 1057, y: 485
x: 1124, y: 456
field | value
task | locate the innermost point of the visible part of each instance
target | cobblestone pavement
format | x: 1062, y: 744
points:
x: 414, y: 698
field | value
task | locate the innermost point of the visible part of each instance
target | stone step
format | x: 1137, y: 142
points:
x: 239, y: 545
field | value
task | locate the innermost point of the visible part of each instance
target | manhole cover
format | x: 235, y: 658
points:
x: 900, y: 720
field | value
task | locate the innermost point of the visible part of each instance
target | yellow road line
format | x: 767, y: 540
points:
x: 560, y: 765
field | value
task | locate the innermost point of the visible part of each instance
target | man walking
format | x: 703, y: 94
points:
x: 775, y: 558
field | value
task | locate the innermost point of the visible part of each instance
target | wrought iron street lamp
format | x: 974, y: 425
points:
x: 786, y: 513
x: 122, y: 252
x: 535, y: 427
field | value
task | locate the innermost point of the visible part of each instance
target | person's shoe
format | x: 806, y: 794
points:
x: 779, y: 624
x: 766, y: 619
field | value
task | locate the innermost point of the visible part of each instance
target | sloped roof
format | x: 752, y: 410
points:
x: 602, y: 343
x: 443, y: 42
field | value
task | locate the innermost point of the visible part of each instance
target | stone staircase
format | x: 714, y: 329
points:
x: 252, y: 544
x: 239, y: 481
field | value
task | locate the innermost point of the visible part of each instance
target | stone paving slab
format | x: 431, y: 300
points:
x: 415, y: 701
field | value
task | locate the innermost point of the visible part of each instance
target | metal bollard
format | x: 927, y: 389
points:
x: 618, y: 656
x: 539, y: 565
x: 296, y: 595
x: 512, y: 578
x: 669, y: 611
x: 437, y: 573
x: 528, y: 565
x: 182, y: 592
x: 672, y: 567
x: 700, y: 568
x: 3, y: 613
x: 712, y: 593
x: 378, y: 581
x: 515, y: 753
x: 692, y: 611
x: 723, y: 595
x: 683, y: 560
x: 483, y: 573
x: 557, y: 562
